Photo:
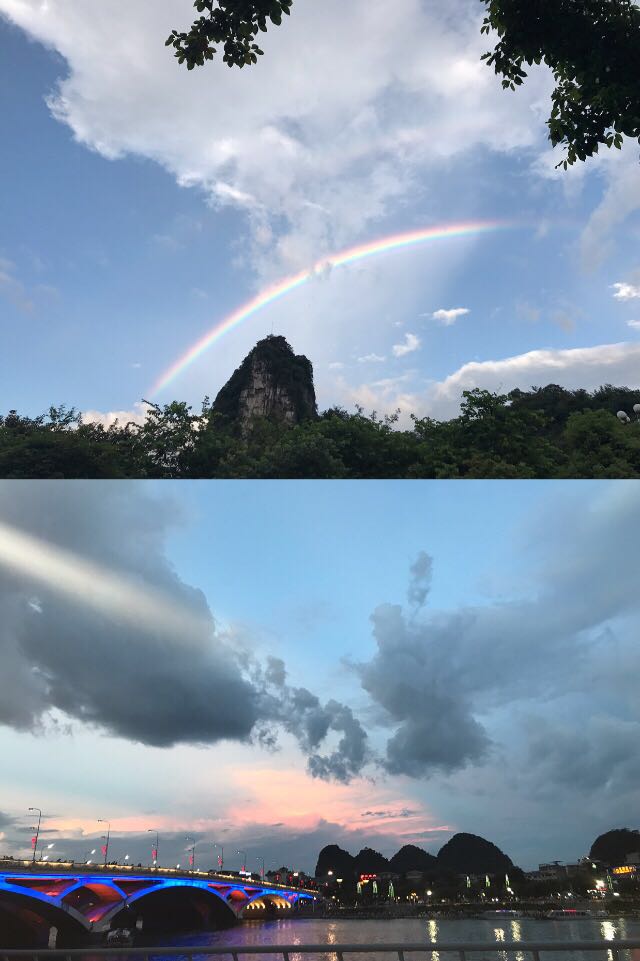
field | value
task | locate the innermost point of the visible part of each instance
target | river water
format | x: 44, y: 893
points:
x: 421, y: 930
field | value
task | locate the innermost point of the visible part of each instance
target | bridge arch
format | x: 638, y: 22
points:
x: 268, y: 904
x: 78, y: 903
x: 187, y: 905
x: 27, y: 919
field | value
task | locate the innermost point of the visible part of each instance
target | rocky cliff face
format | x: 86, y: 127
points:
x: 271, y: 382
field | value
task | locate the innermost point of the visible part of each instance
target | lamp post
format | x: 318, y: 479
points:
x: 220, y: 856
x: 154, y: 851
x: 262, y: 863
x: 105, y: 846
x: 34, y: 839
x: 244, y: 859
x: 192, y: 856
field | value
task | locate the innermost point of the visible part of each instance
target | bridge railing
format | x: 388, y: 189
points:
x: 615, y: 949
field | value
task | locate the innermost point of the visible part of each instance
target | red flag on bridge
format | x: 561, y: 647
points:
x: 33, y: 841
x: 154, y: 854
x: 191, y: 860
x: 104, y: 849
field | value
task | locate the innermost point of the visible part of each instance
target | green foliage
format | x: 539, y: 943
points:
x: 234, y: 23
x: 544, y: 432
x: 590, y: 45
x: 59, y: 445
x: 592, y: 48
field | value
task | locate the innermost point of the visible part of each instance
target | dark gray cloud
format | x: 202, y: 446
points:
x: 6, y: 820
x: 600, y: 751
x: 117, y: 673
x: 386, y: 815
x: 447, y: 688
x: 436, y: 730
x: 160, y: 675
x: 442, y: 678
x: 302, y: 714
x: 420, y: 580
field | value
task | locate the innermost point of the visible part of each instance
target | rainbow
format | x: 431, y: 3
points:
x: 282, y: 287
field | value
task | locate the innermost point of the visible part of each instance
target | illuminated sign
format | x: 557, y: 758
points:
x: 625, y: 869
x: 368, y: 877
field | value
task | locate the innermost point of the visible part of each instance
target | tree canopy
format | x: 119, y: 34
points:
x: 592, y: 47
x: 544, y: 432
x: 233, y: 23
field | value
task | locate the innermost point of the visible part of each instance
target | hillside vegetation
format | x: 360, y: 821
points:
x: 544, y: 432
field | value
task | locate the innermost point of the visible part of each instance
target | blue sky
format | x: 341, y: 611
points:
x: 449, y: 633
x: 142, y: 204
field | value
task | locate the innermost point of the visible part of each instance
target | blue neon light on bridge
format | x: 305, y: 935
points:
x: 94, y: 900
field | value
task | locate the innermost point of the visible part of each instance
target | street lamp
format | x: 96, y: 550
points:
x: 34, y: 839
x: 192, y: 856
x: 262, y: 862
x: 244, y: 859
x: 220, y: 856
x: 154, y: 851
x: 105, y: 846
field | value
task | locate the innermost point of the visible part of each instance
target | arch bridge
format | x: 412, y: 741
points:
x: 79, y: 903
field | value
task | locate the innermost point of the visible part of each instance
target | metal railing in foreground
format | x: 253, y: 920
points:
x: 288, y: 952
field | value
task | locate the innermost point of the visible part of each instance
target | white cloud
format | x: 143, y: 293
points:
x: 621, y: 198
x: 326, y: 152
x: 625, y: 291
x: 586, y: 367
x: 137, y: 415
x: 371, y: 359
x: 336, y: 365
x: 635, y: 324
x: 448, y: 317
x: 411, y: 343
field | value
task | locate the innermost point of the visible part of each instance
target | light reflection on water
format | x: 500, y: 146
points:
x: 432, y: 928
x: 516, y: 935
x: 498, y: 934
x: 415, y: 930
x: 608, y: 930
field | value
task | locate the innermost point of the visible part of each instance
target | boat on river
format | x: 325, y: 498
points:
x: 573, y: 914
